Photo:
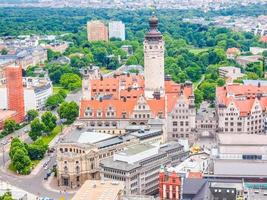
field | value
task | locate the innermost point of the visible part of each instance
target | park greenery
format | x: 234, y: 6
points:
x: 56, y: 99
x: 42, y: 126
x: 68, y: 111
x: 10, y: 126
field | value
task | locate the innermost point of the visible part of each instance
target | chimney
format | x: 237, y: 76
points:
x: 101, y: 78
x: 259, y: 84
x: 124, y: 99
x: 101, y: 99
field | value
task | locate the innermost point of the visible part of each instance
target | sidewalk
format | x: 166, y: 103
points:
x: 17, y: 193
x: 52, y: 185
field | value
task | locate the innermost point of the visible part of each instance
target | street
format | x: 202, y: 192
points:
x: 33, y: 183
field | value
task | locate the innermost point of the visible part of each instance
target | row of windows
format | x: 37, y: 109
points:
x: 115, y: 171
x: 101, y: 90
x: 181, y: 130
x: 182, y: 123
x: 180, y: 135
x: 71, y: 150
x: 114, y: 177
x: 179, y: 117
x: 252, y: 157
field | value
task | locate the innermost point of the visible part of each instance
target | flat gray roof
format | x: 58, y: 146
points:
x: 242, y: 139
x: 240, y: 168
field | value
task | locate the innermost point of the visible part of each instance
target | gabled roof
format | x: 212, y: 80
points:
x: 242, y: 96
x: 119, y: 106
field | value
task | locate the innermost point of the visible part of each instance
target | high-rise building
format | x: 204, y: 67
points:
x: 97, y: 30
x: 116, y: 29
x: 15, y: 94
x: 154, y: 60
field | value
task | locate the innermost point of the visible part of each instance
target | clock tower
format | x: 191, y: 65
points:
x: 154, y: 60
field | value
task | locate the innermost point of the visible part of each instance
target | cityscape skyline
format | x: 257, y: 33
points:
x: 165, y: 105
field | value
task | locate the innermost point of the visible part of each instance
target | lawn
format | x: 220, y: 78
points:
x: 48, y: 138
x: 195, y: 50
x: 57, y: 88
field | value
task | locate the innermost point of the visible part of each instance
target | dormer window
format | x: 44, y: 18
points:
x: 99, y: 114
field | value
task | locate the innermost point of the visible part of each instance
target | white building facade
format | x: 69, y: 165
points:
x: 36, y: 92
x: 116, y: 30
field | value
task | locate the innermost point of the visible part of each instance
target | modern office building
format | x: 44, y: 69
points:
x: 116, y: 30
x: 97, y: 30
x: 138, y: 165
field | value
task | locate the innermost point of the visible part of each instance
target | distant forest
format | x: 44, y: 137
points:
x: 16, y: 21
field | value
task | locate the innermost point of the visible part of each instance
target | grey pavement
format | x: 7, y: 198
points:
x: 76, y: 97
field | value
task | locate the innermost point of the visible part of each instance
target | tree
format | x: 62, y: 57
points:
x: 252, y: 76
x: 255, y: 67
x: 19, y: 157
x: 100, y: 55
x: 198, y: 97
x: 51, y: 55
x: 4, y: 52
x: 49, y: 121
x: 53, y: 101
x: 220, y: 82
x: 69, y: 111
x: 6, y: 196
x: 32, y: 114
x: 37, y: 128
x: 10, y: 126
x: 194, y: 73
x: 132, y: 60
x: 15, y: 145
x: 21, y: 162
x: 264, y: 54
x: 208, y: 90
x: 36, y: 150
x: 71, y: 81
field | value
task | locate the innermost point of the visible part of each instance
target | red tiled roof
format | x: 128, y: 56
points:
x: 242, y: 96
x: 122, y: 84
x: 264, y: 39
x: 156, y: 106
x: 233, y: 50
x: 119, y: 106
